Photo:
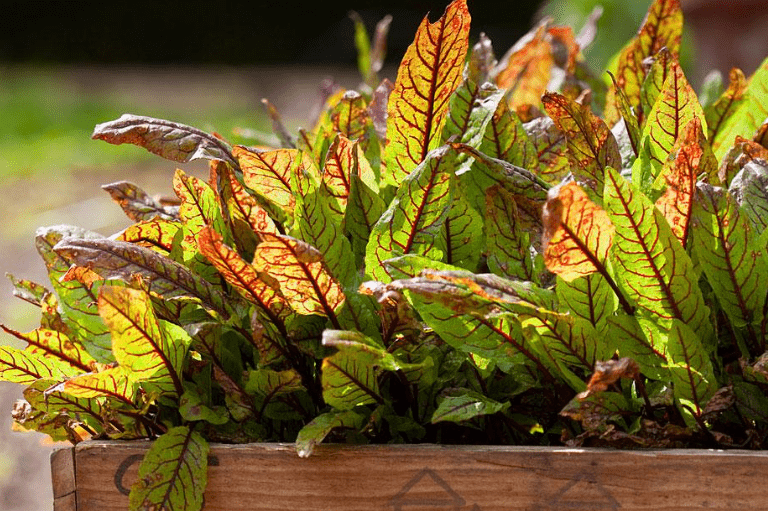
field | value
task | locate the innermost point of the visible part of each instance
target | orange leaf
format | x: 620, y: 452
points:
x: 663, y: 26
x: 429, y: 73
x: 693, y: 158
x: 299, y: 270
x: 577, y: 233
x: 527, y: 69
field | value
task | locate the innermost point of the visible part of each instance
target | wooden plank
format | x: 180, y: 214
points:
x: 260, y: 477
x: 63, y: 479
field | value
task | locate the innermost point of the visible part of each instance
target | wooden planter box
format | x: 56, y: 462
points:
x: 96, y: 476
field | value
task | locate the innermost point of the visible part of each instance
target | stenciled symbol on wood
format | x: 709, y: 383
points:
x: 213, y: 461
x: 427, y: 490
x: 583, y: 492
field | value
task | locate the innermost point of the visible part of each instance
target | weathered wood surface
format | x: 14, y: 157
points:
x: 260, y: 477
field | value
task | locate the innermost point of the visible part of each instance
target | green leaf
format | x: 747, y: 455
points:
x: 412, y: 223
x: 173, y: 474
x: 428, y: 74
x: 153, y: 355
x: 193, y: 407
x: 550, y: 145
x: 165, y: 277
x: 349, y: 380
x: 732, y: 258
x: 642, y: 341
x: 676, y: 106
x: 651, y: 263
x: 691, y: 370
x: 57, y: 347
x: 589, y: 297
x: 591, y: 144
x: 25, y: 367
x: 170, y: 140
x: 154, y: 234
x: 506, y: 139
x: 463, y: 405
x: 462, y: 233
x: 315, y: 431
x: 727, y: 104
x: 748, y: 115
x: 115, y: 382
x: 659, y: 68
x: 364, y: 208
x: 77, y: 300
x: 507, y: 243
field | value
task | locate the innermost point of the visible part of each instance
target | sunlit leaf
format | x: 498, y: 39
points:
x: 525, y: 69
x: 138, y: 341
x: 155, y: 234
x: 589, y: 297
x: 113, y: 382
x: 728, y: 251
x: 414, y: 218
x: 164, y: 277
x: 345, y: 159
x: 507, y: 243
x: 662, y: 27
x: 69, y: 355
x: 462, y: 233
x: 429, y: 72
x: 463, y: 405
x: 137, y: 204
x: 681, y: 173
x: 642, y: 341
x: 653, y: 266
x: 25, y: 367
x: 578, y: 233
x: 170, y: 140
x: 659, y: 67
x: 299, y: 270
x: 550, y: 148
x: 727, y: 104
x: 173, y: 474
x: 591, y: 144
x: 676, y: 106
x: 471, y: 109
x: 506, y: 139
x: 76, y: 300
x: 747, y: 116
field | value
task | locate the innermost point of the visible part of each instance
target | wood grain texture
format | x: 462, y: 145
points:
x: 260, y: 477
x: 63, y: 479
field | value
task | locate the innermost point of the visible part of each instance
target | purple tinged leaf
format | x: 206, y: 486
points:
x: 377, y: 108
x: 170, y: 140
x: 750, y: 190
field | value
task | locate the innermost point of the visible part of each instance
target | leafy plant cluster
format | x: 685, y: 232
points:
x: 463, y: 256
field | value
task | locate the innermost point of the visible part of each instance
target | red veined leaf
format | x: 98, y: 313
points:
x: 691, y: 371
x: 662, y: 27
x: 25, y: 367
x: 412, y: 223
x: 748, y: 116
x: 199, y: 206
x: 507, y: 244
x: 577, y: 233
x: 506, y: 139
x: 693, y: 158
x: 255, y: 286
x: 268, y: 173
x: 676, y: 106
x: 137, y: 204
x: 659, y: 66
x: 653, y: 266
x: 429, y: 73
x: 51, y: 344
x: 350, y: 116
x: 462, y: 239
x: 589, y: 297
x: 470, y: 109
x: 641, y: 340
x: 525, y: 69
x: 299, y: 270
x: 29, y: 291
x: 551, y: 149
x: 717, y: 113
x: 173, y: 474
x: 139, y: 343
x: 345, y: 158
x: 154, y: 234
x: 738, y: 157
x: 731, y: 255
x: 165, y: 277
x: 170, y: 140
x: 113, y: 382
x: 590, y: 143
x: 630, y: 118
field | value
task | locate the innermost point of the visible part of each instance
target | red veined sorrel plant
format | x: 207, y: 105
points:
x: 497, y: 252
